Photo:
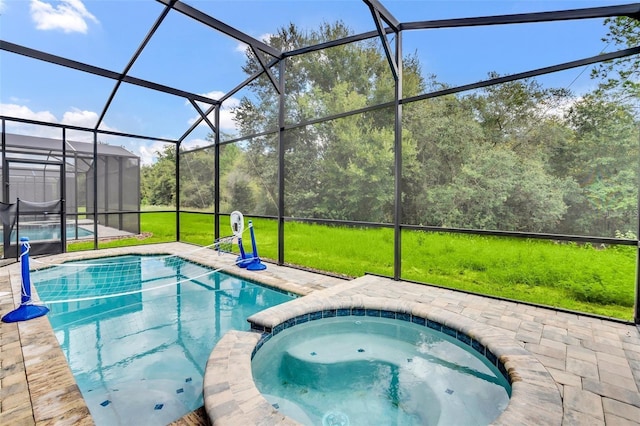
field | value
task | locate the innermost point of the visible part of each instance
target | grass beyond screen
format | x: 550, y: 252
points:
x: 566, y: 275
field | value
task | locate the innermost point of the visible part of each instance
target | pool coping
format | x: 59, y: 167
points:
x: 37, y: 386
x: 595, y: 362
x: 230, y: 394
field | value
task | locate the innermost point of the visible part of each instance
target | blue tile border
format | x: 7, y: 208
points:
x: 464, y: 338
x: 449, y: 331
x: 434, y: 325
x: 479, y: 347
x: 492, y: 358
x: 388, y: 314
x: 329, y: 313
x: 302, y: 319
x: 403, y: 317
x: 418, y: 320
x: 460, y: 336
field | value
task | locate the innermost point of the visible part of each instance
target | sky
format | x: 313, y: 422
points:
x: 188, y: 55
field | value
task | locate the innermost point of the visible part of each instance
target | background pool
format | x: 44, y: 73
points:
x: 49, y: 231
x: 139, y: 359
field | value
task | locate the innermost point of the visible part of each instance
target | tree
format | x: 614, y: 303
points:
x: 197, y: 179
x: 439, y: 135
x: 503, y: 157
x: 605, y: 164
x: 158, y: 180
x: 495, y: 189
x: 342, y: 169
x: 482, y: 160
x: 621, y: 76
x: 512, y: 113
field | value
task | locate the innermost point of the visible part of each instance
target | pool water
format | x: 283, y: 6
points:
x: 49, y: 231
x: 364, y: 370
x: 139, y: 358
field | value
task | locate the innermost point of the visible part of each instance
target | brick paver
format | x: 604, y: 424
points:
x: 594, y: 362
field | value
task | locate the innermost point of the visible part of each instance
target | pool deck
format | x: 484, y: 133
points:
x: 595, y: 363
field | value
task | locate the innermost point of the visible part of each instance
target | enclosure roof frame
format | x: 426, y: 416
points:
x: 212, y: 22
x: 102, y: 72
x: 630, y: 10
x: 378, y: 10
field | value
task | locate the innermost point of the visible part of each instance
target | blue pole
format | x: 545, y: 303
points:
x: 243, y: 260
x: 26, y: 310
x: 26, y: 277
x: 255, y: 264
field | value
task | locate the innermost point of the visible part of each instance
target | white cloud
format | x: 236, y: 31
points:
x: 148, y: 152
x: 21, y: 111
x: 227, y: 116
x: 242, y: 48
x: 560, y: 107
x: 215, y: 94
x: 3, y: 6
x: 75, y: 117
x: 194, y: 143
x: 16, y: 100
x: 68, y: 16
x: 79, y: 118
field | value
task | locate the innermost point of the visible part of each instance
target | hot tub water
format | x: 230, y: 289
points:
x: 363, y: 370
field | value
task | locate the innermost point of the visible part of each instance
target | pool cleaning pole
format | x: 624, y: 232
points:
x: 255, y: 264
x: 243, y: 260
x: 26, y: 310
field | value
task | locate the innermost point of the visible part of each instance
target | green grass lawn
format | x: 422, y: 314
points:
x: 566, y: 275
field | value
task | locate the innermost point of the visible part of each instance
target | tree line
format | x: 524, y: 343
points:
x: 516, y: 156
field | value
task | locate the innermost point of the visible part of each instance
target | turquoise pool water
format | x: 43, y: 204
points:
x: 139, y: 359
x: 49, y: 232
x: 365, y: 370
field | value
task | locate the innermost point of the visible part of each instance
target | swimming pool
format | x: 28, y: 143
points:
x: 375, y: 370
x: 139, y: 358
x: 49, y: 231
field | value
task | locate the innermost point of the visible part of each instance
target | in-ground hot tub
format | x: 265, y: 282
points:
x: 231, y: 396
x: 366, y: 366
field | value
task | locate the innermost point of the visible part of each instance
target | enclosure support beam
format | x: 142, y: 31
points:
x: 121, y: 184
x: 527, y: 74
x: 178, y: 191
x: 523, y: 18
x: 384, y: 13
x: 87, y: 129
x: 281, y: 147
x: 196, y: 123
x: 63, y: 192
x: 204, y: 116
x: 636, y: 304
x: 132, y: 61
x: 266, y: 68
x: 216, y: 183
x: 95, y: 190
x: 380, y: 13
x: 69, y: 63
x: 397, y: 217
x: 211, y: 22
x: 334, y: 43
x: 5, y: 171
x: 385, y: 42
